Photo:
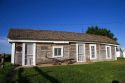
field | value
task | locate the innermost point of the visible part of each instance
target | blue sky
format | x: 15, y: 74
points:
x: 62, y: 15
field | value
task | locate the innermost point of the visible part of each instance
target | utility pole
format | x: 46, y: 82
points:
x: 82, y: 30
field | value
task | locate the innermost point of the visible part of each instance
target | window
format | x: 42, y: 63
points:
x: 80, y: 52
x: 108, y: 52
x: 18, y: 48
x: 117, y: 49
x: 92, y: 51
x: 80, y: 49
x: 29, y: 49
x: 57, y: 51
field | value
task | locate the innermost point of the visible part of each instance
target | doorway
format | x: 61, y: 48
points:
x: 29, y: 54
x: 80, y: 52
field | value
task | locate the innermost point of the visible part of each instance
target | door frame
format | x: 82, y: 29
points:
x: 77, y: 54
x: 24, y: 54
x: 110, y: 52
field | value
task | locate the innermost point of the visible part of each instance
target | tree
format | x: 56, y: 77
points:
x: 101, y: 31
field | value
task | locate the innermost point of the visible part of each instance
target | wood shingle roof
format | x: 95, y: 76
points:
x: 29, y: 34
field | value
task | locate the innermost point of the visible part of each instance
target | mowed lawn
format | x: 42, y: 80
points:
x: 99, y: 72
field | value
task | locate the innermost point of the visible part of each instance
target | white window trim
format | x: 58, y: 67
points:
x: 110, y: 52
x: 77, y: 53
x: 95, y: 51
x: 115, y: 53
x: 61, y: 51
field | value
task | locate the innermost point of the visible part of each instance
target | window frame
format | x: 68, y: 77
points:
x: 109, y: 51
x: 17, y: 45
x: 91, y: 51
x: 54, y: 51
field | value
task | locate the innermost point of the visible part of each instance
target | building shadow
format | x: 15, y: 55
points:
x: 22, y: 78
x: 115, y: 81
x: 46, y: 76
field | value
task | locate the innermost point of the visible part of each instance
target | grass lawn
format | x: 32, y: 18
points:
x: 4, y: 73
x: 99, y: 72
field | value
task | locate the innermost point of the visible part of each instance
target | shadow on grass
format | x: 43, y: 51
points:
x: 22, y: 78
x: 115, y: 81
x: 46, y: 76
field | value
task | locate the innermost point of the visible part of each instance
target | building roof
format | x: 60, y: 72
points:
x: 29, y: 34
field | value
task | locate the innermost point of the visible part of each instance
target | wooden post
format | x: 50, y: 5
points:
x: 13, y: 53
x: 3, y: 56
x: 34, y: 54
x: 2, y: 60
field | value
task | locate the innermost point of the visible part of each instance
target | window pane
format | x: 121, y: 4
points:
x: 93, y: 54
x: 93, y: 51
x: 108, y: 52
x: 80, y: 49
x: 29, y: 49
x: 117, y: 49
x: 57, y: 51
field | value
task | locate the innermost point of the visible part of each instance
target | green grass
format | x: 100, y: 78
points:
x: 99, y: 72
x: 8, y: 67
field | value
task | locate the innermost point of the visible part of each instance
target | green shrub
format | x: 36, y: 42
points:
x: 120, y: 58
x: 8, y: 67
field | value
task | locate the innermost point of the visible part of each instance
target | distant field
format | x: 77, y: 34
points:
x: 99, y: 72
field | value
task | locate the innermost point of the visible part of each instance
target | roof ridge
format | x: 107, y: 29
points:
x: 56, y: 31
x: 46, y: 30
